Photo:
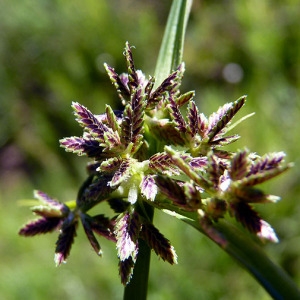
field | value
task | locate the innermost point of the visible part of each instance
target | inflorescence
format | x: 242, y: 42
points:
x: 152, y: 154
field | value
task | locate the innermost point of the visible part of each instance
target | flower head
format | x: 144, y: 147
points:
x: 152, y: 154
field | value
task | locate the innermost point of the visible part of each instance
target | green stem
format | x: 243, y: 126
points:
x: 251, y: 257
x: 170, y: 56
x: 243, y: 250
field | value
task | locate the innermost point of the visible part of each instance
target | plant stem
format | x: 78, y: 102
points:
x: 170, y: 56
x: 273, y: 278
x: 251, y: 257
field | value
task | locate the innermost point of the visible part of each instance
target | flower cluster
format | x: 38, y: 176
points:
x: 152, y: 154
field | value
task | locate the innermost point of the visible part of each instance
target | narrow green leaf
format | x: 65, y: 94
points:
x: 171, y: 51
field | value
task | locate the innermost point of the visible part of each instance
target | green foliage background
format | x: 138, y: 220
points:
x: 52, y: 53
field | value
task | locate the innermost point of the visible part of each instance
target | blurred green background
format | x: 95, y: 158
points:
x: 52, y: 53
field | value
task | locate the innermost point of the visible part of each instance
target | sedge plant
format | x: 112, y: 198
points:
x: 161, y: 152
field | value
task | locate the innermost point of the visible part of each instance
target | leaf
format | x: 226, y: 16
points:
x: 158, y: 243
x: 171, y: 50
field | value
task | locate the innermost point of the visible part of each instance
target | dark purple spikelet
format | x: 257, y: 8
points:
x: 148, y: 187
x: 164, y: 130
x: 267, y: 162
x: 171, y: 189
x: 40, y: 226
x: 133, y: 80
x: 263, y: 176
x: 198, y: 163
x: 126, y: 270
x: 158, y: 243
x: 132, y: 122
x: 65, y: 241
x: 121, y: 174
x: 239, y: 165
x: 176, y: 116
x: 217, y: 121
x: 127, y: 230
x: 82, y: 146
x: 99, y: 224
x: 162, y: 163
x: 95, y: 190
x: 245, y: 214
x: 119, y: 82
x: 86, y: 223
x: 103, y: 226
x: 250, y: 219
x: 214, y: 170
x: 89, y: 122
x: 169, y: 86
x: 118, y: 205
x: 193, y: 118
x: 110, y: 165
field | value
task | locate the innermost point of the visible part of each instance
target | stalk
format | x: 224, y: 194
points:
x: 251, y: 257
x: 170, y: 56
